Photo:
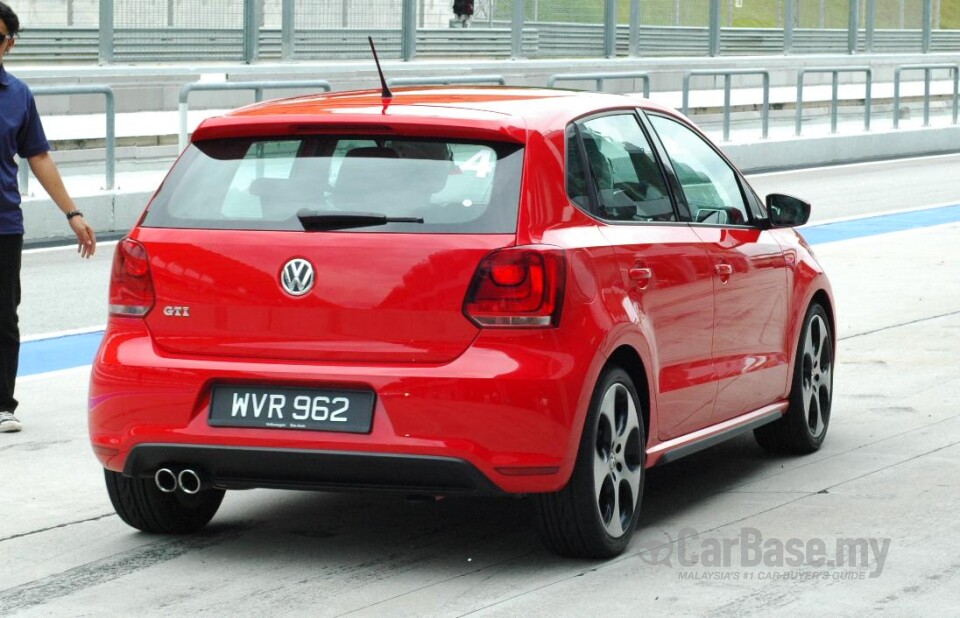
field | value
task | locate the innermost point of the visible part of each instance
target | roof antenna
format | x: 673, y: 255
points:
x: 386, y: 94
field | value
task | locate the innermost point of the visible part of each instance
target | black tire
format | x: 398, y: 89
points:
x: 586, y: 521
x: 804, y: 426
x: 142, y: 505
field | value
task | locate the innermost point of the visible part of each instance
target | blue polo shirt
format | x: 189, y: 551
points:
x: 22, y: 134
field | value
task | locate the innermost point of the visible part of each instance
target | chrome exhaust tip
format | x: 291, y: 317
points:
x: 189, y: 481
x: 166, y: 480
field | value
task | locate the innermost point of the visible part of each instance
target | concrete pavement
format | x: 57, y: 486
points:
x: 885, y: 480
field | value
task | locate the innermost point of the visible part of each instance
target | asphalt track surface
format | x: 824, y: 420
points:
x: 886, y: 477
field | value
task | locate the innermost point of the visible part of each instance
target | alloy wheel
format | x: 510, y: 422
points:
x: 617, y: 460
x: 817, y: 384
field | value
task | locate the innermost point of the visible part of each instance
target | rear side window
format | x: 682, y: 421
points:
x: 621, y: 168
x: 263, y: 184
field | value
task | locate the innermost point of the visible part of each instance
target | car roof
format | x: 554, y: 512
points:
x: 481, y: 111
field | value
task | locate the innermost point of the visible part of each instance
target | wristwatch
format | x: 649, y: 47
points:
x: 74, y: 213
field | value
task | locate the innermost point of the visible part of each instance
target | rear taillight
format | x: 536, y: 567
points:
x: 518, y: 287
x: 131, y: 287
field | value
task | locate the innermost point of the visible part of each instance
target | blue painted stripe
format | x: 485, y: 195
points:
x: 65, y: 352
x: 880, y: 224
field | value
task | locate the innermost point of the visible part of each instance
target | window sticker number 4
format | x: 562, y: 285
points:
x: 481, y: 163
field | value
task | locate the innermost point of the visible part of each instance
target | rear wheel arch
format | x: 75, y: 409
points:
x: 595, y: 513
x: 627, y: 358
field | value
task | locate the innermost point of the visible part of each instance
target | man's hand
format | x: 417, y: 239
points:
x: 86, y: 239
x: 47, y: 173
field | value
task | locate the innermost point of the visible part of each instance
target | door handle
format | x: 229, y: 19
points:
x: 724, y: 270
x: 638, y: 273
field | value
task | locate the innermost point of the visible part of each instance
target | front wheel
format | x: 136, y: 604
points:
x: 595, y: 514
x: 804, y: 426
x: 142, y: 505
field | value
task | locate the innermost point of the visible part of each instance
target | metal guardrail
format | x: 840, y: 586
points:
x: 727, y: 74
x: 834, y: 101
x: 599, y: 78
x: 111, y: 137
x: 927, y: 70
x: 447, y: 81
x: 258, y: 88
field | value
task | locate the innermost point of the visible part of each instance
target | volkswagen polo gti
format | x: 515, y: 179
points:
x: 454, y: 291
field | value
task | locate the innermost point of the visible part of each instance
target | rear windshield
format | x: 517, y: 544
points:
x: 443, y: 186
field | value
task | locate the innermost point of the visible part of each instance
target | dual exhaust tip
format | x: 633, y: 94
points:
x: 188, y: 481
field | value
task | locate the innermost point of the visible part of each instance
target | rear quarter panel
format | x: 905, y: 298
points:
x: 596, y: 306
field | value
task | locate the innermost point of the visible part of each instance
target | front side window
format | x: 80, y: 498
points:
x: 621, y: 167
x: 709, y: 183
x: 436, y: 186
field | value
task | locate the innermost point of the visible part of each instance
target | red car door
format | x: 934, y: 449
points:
x: 749, y: 274
x: 667, y: 274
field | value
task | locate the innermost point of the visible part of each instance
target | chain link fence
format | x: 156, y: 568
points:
x: 57, y: 13
x: 251, y: 30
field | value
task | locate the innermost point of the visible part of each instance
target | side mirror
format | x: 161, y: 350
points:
x: 787, y: 211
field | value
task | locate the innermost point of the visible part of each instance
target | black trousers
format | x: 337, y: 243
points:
x: 11, y: 250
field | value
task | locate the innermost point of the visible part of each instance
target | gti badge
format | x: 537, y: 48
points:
x: 297, y: 277
x: 176, y: 312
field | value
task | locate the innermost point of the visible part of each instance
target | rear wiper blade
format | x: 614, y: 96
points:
x: 318, y: 221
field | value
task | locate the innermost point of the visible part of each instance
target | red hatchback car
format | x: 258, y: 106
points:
x: 453, y: 291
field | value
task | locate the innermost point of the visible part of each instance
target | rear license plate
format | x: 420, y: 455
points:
x: 292, y: 408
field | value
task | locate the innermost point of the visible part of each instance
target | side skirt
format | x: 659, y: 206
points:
x: 672, y: 450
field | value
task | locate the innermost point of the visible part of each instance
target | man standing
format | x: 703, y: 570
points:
x: 463, y: 9
x: 21, y: 133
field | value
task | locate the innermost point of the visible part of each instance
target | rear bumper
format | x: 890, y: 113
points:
x: 503, y: 417
x: 246, y: 468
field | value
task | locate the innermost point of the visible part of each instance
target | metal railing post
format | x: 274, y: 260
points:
x: 853, y: 26
x: 726, y: 108
x: 835, y: 98
x: 714, y: 27
x: 23, y: 177
x: 251, y: 31
x: 599, y: 77
x: 788, y: 20
x: 257, y: 87
x: 106, y: 32
x: 927, y: 70
x: 110, y: 143
x: 834, y: 101
x: 445, y: 81
x: 798, y: 122
x: 870, y: 25
x: 610, y: 28
x: 956, y: 94
x: 408, y: 32
x: 727, y: 74
x: 516, y: 29
x: 288, y: 29
x: 634, y: 28
x: 927, y: 26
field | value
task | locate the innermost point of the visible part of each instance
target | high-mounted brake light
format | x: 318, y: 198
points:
x: 131, y: 286
x: 518, y: 287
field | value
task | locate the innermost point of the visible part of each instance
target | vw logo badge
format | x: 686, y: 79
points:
x: 297, y: 277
